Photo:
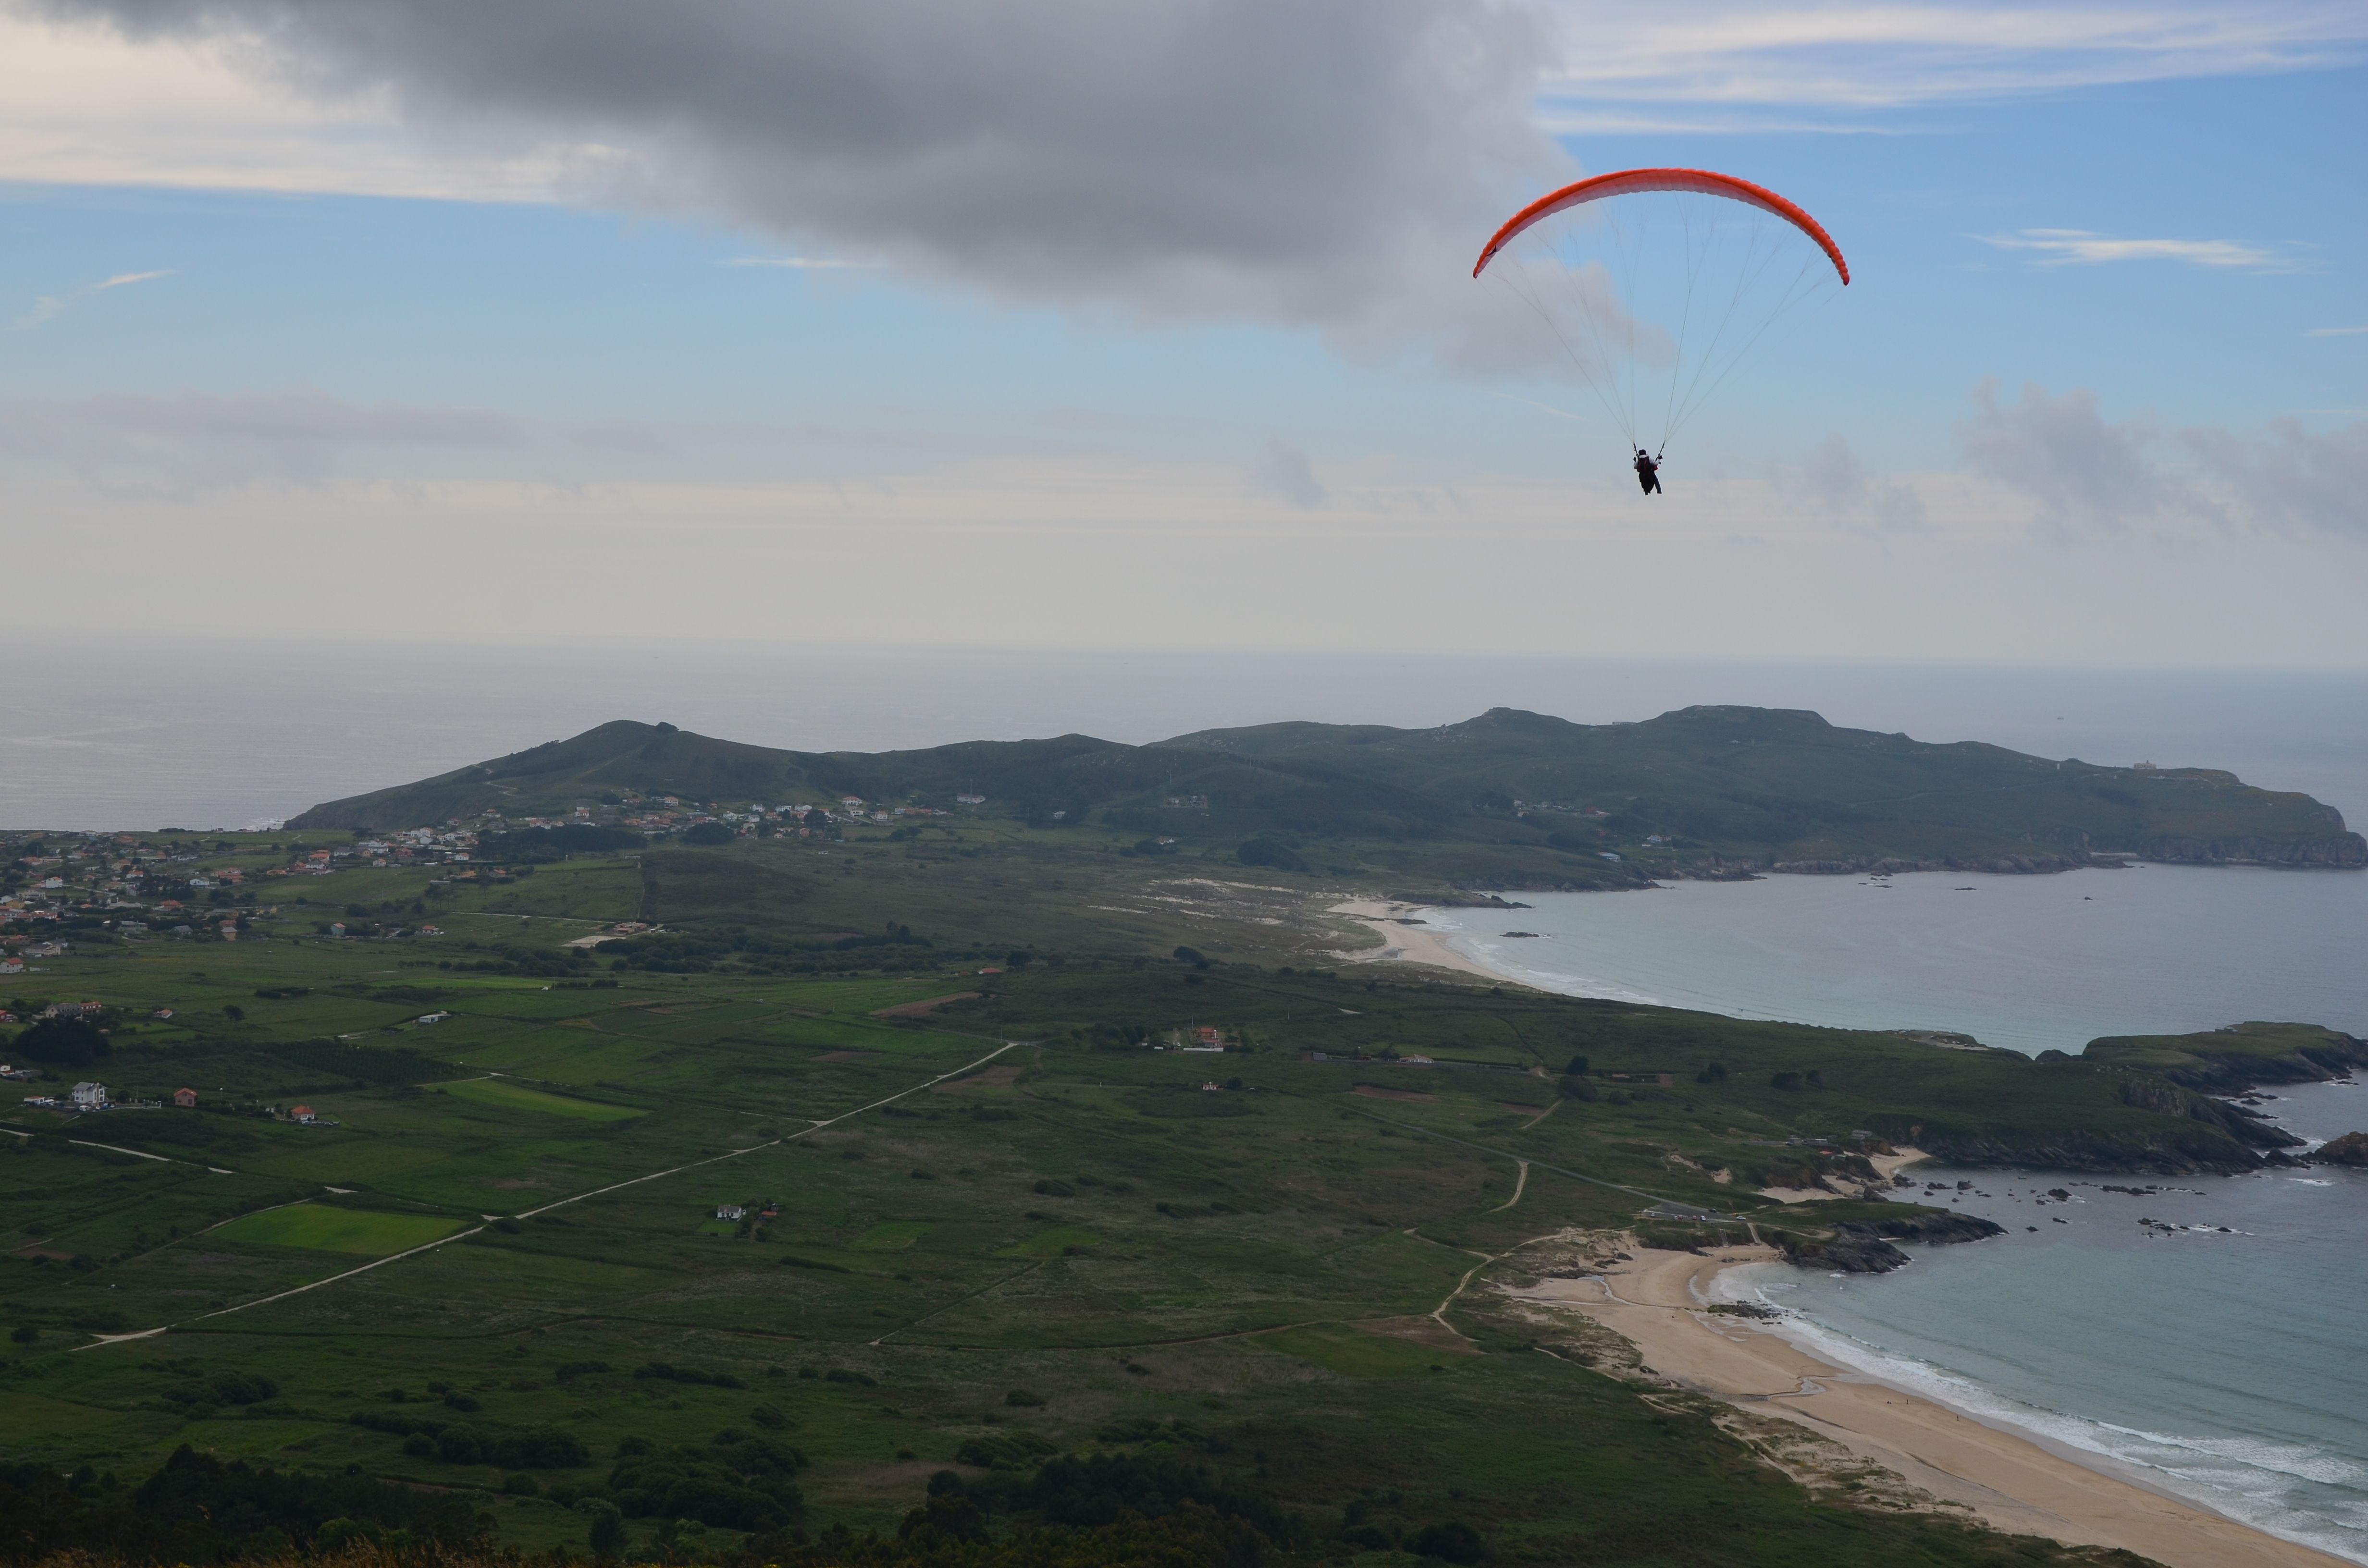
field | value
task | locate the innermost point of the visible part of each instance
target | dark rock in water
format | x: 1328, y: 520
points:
x: 2352, y: 1148
x: 1866, y: 1249
x: 1855, y: 1249
x: 1937, y: 1226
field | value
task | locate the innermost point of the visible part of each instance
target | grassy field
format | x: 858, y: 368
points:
x: 1013, y: 1194
x: 318, y: 1227
x: 506, y: 1096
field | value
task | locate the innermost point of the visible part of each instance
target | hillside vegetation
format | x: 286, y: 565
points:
x: 1508, y: 799
x: 816, y: 1268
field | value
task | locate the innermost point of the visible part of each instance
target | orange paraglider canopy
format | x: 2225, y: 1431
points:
x: 1626, y: 182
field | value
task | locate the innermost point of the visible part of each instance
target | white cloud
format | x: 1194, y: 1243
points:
x: 48, y: 306
x: 1710, y: 66
x: 2062, y: 247
x: 1005, y: 536
x: 2336, y: 331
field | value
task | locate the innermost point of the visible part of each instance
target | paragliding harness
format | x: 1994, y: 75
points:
x: 1648, y: 472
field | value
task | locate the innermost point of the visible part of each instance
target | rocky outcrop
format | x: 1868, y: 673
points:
x: 2165, y: 1098
x: 2352, y: 1148
x: 2241, y: 1057
x: 2337, y: 850
x: 1938, y: 1227
x: 1856, y: 1248
x: 1886, y: 866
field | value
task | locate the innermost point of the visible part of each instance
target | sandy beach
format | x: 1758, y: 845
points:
x: 2010, y: 1481
x: 1407, y: 943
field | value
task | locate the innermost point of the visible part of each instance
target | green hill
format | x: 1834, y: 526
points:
x: 1507, y: 799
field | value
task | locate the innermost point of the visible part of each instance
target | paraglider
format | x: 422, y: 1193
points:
x: 1655, y: 284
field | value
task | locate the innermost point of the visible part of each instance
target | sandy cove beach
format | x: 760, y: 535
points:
x: 1406, y: 944
x: 2010, y: 1480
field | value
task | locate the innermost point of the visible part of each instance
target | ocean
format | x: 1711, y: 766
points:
x: 2227, y: 1365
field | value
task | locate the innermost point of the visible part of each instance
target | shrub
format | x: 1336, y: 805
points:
x: 62, y: 1042
x: 1453, y: 1540
x: 1270, y: 853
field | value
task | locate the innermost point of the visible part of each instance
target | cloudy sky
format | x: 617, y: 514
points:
x: 1056, y: 324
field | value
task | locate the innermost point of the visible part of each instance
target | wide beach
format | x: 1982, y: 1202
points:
x: 1658, y: 1303
x: 1407, y: 943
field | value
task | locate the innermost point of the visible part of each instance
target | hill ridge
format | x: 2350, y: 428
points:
x: 1509, y: 797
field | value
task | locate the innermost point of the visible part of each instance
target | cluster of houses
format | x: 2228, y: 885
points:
x: 91, y: 1095
x: 666, y: 813
x: 1201, y: 1037
x: 735, y: 1212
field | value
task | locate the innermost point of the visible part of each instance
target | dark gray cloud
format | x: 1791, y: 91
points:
x: 1327, y: 162
x: 2061, y: 451
x: 1281, y: 472
x: 1834, y: 476
x: 2290, y: 477
x: 2089, y: 475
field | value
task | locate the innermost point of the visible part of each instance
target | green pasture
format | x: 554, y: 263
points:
x: 318, y: 1227
x: 890, y: 1235
x: 509, y: 1095
x: 1354, y: 1353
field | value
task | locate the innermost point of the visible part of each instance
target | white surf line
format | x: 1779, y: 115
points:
x: 528, y: 1213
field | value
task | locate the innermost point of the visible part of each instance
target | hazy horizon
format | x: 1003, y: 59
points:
x: 225, y: 732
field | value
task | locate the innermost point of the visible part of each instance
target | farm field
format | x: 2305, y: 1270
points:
x: 615, y: 1198
x: 318, y: 1227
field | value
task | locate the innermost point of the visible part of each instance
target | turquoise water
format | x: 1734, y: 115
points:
x: 2227, y: 1365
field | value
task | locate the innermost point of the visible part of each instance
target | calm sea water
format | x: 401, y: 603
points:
x: 2027, y: 962
x: 2229, y: 1364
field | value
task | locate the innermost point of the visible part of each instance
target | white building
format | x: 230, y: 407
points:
x: 88, y: 1095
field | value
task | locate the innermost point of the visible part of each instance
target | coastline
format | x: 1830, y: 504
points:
x: 2010, y: 1480
x: 1409, y: 944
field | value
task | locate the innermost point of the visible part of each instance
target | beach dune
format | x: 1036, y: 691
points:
x: 2010, y: 1481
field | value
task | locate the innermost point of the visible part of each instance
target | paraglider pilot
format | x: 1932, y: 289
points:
x: 1648, y: 473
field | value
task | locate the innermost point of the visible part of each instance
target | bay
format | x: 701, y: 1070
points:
x: 2030, y: 962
